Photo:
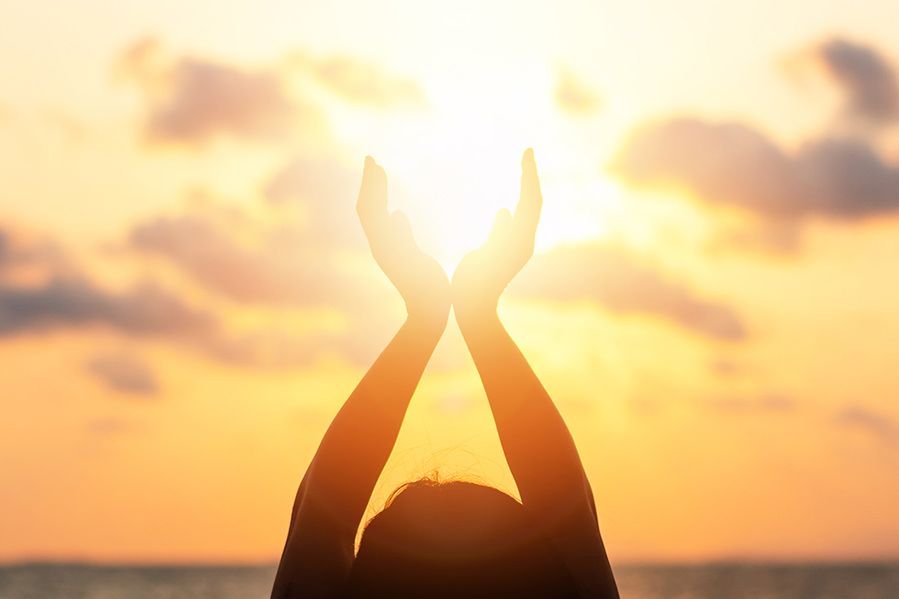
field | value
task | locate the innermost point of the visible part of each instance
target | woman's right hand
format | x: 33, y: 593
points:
x: 483, y: 274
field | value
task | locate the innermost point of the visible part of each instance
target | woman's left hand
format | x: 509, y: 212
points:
x: 421, y: 281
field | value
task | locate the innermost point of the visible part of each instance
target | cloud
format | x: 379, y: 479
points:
x: 362, y: 83
x: 62, y: 302
x: 280, y: 265
x: 866, y: 78
x: 125, y: 372
x: 193, y: 100
x: 326, y: 189
x: 148, y: 311
x: 307, y: 179
x: 62, y: 298
x: 57, y: 294
x: 876, y: 423
x: 575, y: 97
x: 23, y: 252
x: 619, y: 282
x: 253, y: 260
x: 736, y: 165
x: 6, y: 250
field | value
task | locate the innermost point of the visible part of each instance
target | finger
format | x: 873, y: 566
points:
x: 372, y: 203
x: 527, y: 213
x: 501, y: 225
x: 401, y: 230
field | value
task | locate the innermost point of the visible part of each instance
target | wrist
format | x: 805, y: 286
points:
x: 430, y: 325
x: 471, y: 317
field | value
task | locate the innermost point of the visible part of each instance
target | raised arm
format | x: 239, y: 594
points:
x: 538, y: 447
x: 338, y: 484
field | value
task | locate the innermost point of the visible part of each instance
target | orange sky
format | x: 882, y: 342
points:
x: 186, y: 298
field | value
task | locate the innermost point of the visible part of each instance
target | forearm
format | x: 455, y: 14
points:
x: 537, y: 444
x: 541, y: 453
x: 337, y: 486
x: 358, y: 443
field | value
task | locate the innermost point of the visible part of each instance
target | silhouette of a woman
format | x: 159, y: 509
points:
x: 453, y: 539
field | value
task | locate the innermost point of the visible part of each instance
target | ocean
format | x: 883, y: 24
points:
x: 710, y: 581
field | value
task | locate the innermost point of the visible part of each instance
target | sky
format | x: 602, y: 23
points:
x: 186, y: 297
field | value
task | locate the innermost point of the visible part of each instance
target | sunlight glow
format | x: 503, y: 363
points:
x: 452, y: 168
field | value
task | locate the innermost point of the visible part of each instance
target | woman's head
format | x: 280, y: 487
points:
x: 455, y: 539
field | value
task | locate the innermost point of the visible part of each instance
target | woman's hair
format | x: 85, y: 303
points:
x: 455, y: 539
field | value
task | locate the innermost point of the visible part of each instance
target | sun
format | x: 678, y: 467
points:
x: 453, y: 165
x: 452, y: 169
x: 456, y: 215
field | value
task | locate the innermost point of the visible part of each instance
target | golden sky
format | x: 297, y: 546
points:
x: 186, y: 297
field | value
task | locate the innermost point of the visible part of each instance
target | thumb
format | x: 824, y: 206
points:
x: 400, y: 226
x: 501, y: 225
